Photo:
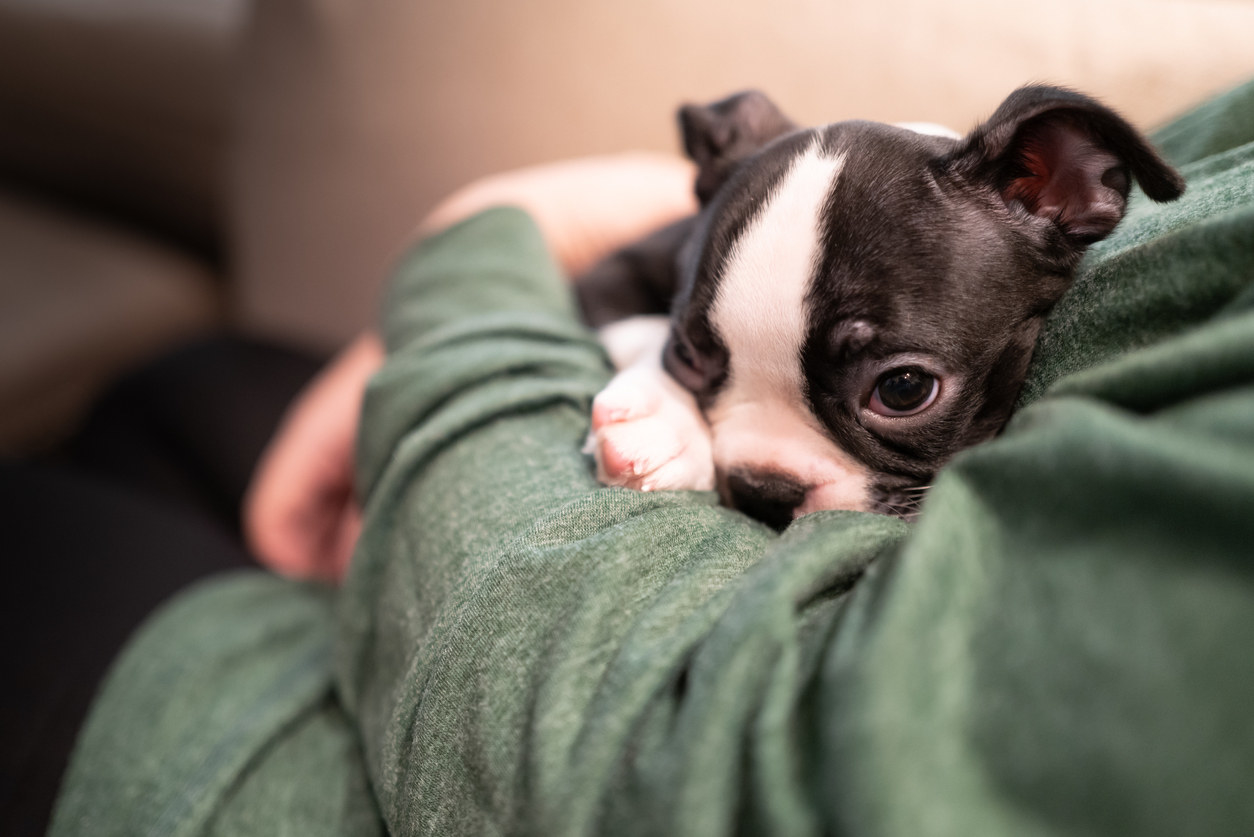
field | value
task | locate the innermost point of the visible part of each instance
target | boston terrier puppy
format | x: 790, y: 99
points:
x: 853, y: 303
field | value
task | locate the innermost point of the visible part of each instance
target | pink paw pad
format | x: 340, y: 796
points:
x: 648, y: 440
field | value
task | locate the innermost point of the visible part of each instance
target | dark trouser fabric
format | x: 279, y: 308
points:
x: 144, y: 502
x: 191, y: 425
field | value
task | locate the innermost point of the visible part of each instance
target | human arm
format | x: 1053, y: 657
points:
x: 301, y: 513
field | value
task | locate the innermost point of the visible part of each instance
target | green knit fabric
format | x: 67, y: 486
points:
x: 219, y: 719
x: 1058, y: 646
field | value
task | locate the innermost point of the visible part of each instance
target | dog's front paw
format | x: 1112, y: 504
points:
x: 648, y: 434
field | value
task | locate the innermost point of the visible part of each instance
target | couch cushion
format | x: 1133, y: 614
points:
x: 78, y: 304
x: 121, y: 105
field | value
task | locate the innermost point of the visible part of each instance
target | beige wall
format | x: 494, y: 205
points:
x: 358, y: 116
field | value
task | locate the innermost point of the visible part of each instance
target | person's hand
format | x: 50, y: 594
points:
x: 301, y: 516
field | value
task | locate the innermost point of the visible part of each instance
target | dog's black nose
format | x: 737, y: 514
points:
x: 770, y: 498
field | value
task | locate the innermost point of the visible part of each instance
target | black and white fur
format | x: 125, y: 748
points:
x: 831, y: 269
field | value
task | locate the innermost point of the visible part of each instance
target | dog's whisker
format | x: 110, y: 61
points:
x: 906, y: 503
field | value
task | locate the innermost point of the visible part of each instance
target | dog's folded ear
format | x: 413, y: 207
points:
x: 1065, y: 157
x: 720, y: 135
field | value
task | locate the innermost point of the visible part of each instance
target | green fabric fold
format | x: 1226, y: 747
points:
x: 1057, y: 646
x: 215, y: 710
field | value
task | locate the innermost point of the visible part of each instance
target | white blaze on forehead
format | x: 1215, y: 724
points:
x: 761, y: 421
x: 760, y: 309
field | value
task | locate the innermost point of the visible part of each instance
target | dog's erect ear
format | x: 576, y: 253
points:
x: 1064, y: 157
x: 719, y: 135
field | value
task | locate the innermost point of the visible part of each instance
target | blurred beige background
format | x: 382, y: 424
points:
x: 172, y: 166
x: 385, y: 106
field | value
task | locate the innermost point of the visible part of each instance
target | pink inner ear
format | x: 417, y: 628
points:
x: 1066, y: 179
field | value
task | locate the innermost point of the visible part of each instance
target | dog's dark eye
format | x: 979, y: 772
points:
x: 904, y: 392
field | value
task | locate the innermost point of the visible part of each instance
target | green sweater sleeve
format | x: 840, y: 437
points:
x: 1057, y: 646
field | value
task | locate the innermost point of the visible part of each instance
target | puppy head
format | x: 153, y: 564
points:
x: 860, y: 301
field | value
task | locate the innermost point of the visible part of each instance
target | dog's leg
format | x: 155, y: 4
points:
x: 637, y: 279
x: 647, y: 431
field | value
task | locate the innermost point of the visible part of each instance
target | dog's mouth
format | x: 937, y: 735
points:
x: 777, y: 498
